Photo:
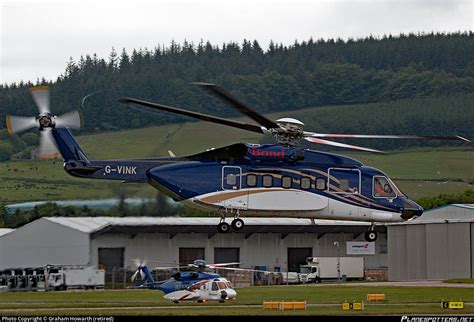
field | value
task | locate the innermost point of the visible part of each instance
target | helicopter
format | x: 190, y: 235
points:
x: 244, y: 179
x: 194, y: 284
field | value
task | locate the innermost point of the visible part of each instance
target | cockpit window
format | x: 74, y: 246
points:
x: 222, y: 285
x: 383, y: 188
x: 214, y: 286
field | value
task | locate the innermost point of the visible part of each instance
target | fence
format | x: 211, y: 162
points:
x: 120, y: 278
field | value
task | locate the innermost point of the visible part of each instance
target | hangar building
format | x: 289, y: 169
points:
x: 278, y: 244
x: 437, y: 245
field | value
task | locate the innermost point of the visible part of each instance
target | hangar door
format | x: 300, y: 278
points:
x: 111, y: 257
x: 227, y: 255
x: 297, y: 256
x: 189, y: 255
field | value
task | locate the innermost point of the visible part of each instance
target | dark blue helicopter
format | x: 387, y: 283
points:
x: 278, y: 180
x: 182, y: 279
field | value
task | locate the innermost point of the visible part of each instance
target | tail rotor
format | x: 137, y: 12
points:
x: 139, y: 264
x: 44, y: 121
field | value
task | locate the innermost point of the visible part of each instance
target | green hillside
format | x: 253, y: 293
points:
x: 419, y: 172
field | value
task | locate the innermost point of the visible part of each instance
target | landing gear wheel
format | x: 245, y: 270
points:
x: 370, y: 236
x: 223, y: 227
x: 237, y: 224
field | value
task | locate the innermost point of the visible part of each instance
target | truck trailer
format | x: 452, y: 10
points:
x: 330, y: 268
x: 70, y: 278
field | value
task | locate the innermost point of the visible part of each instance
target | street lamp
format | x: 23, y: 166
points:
x: 336, y: 243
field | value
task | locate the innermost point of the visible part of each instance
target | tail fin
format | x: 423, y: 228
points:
x: 68, y: 146
x: 149, y: 278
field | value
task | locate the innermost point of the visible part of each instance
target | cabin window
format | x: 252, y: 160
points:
x: 345, y: 181
x: 305, y: 183
x: 267, y: 181
x: 286, y: 182
x: 321, y: 184
x: 251, y: 180
x: 382, y: 188
x: 214, y: 286
x: 231, y: 179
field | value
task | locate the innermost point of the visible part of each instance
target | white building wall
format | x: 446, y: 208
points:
x: 43, y: 242
x: 266, y: 249
x: 430, y: 251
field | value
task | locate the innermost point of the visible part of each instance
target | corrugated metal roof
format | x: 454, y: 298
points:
x: 92, y: 224
x: 4, y: 231
x: 449, y: 213
x: 468, y: 205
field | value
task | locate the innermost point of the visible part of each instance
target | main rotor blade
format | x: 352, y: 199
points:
x: 242, y: 269
x: 73, y: 120
x: 223, y: 264
x: 240, y: 106
x: 200, y: 116
x: 47, y: 147
x: 40, y: 95
x: 341, y: 145
x: 365, y: 136
x: 134, y: 276
x: 17, y: 124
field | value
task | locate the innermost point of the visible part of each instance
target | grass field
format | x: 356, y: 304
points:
x: 414, y: 170
x: 321, y: 300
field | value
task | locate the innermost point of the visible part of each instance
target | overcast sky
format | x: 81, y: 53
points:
x: 38, y: 37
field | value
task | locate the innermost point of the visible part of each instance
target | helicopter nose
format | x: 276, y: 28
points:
x: 231, y: 294
x: 411, y: 210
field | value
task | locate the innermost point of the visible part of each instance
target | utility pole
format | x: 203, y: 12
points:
x: 336, y: 243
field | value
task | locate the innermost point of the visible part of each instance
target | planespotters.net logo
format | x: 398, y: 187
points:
x: 437, y: 318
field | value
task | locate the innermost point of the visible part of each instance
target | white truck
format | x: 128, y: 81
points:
x: 319, y: 268
x: 68, y: 278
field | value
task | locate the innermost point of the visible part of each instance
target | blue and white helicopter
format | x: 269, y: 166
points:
x: 194, y: 284
x: 242, y: 179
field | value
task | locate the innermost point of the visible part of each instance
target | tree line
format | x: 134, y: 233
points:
x: 282, y: 78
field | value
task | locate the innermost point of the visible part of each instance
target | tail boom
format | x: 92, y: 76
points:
x: 77, y: 164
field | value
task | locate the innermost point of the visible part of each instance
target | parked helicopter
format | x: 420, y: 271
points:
x: 195, y: 284
x: 242, y: 179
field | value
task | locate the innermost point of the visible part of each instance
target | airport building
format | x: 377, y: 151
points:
x: 437, y: 245
x: 275, y: 244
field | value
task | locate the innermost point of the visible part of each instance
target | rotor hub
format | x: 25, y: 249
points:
x: 45, y: 121
x: 290, y: 132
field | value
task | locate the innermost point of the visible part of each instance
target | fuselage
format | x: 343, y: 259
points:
x: 272, y: 180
